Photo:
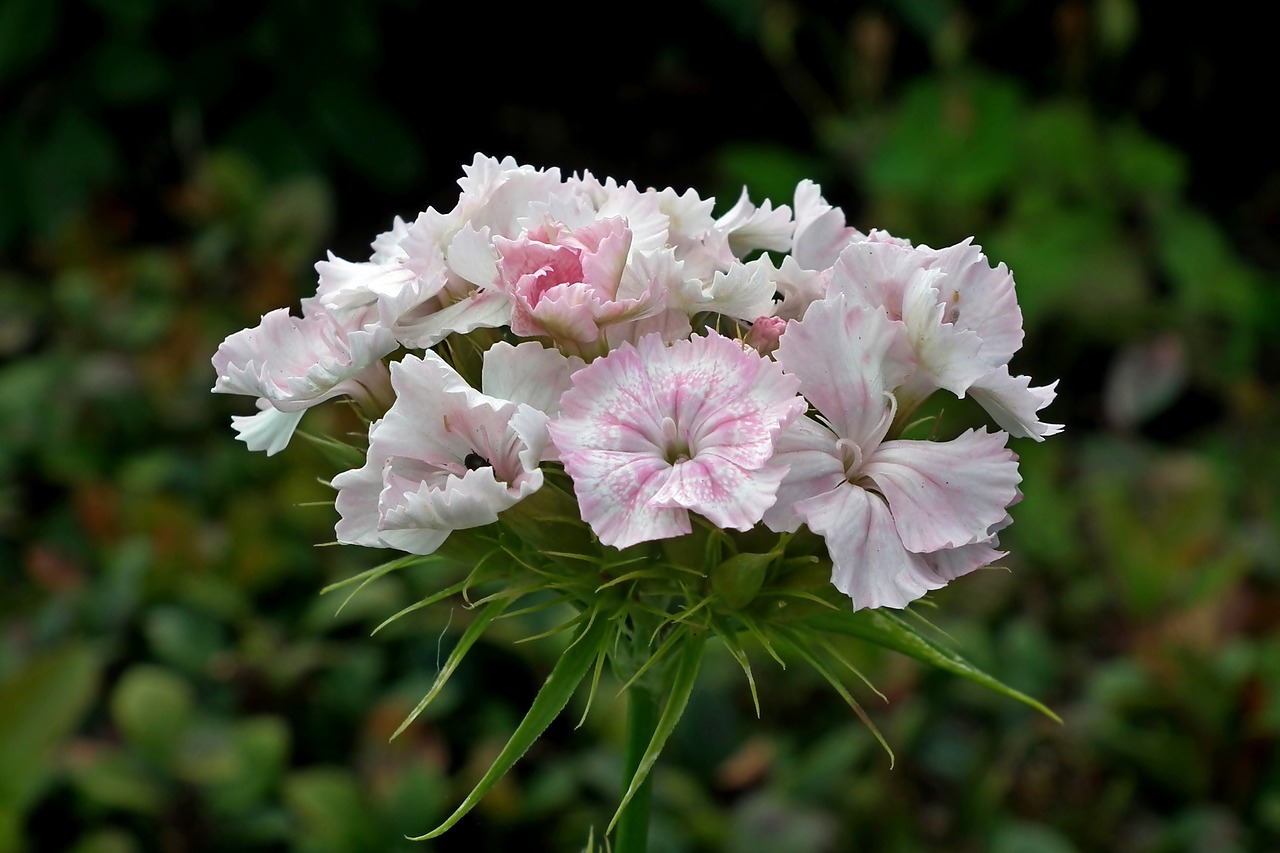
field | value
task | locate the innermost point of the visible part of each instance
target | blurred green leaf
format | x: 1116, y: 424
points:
x: 116, y: 779
x: 126, y: 73
x: 39, y: 707
x: 152, y: 706
x: 330, y: 812
x: 26, y: 29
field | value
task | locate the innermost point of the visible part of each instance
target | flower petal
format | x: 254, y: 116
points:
x: 868, y: 561
x: 848, y: 358
x: 1014, y: 404
x: 944, y: 494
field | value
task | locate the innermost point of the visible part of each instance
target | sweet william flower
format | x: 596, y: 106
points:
x: 899, y: 517
x: 293, y: 363
x: 962, y: 319
x: 652, y: 432
x: 445, y: 457
x: 568, y: 285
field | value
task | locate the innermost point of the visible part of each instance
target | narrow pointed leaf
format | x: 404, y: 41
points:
x: 893, y: 632
x: 465, y: 642
x: 338, y: 452
x: 798, y: 645
x: 569, y: 671
x: 686, y: 673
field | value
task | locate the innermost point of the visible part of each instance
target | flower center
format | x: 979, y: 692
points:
x: 850, y: 456
x: 676, y: 446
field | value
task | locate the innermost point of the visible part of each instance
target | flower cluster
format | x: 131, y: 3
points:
x: 755, y: 371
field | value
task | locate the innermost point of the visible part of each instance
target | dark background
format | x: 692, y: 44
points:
x: 170, y: 678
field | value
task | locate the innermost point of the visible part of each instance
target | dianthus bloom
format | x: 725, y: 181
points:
x: 667, y: 424
x: 652, y: 432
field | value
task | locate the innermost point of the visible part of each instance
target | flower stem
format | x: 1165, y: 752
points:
x: 642, y: 718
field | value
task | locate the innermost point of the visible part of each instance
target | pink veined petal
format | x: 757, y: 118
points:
x: 727, y: 495
x: 614, y: 491
x: 611, y: 406
x: 944, y: 494
x: 807, y: 450
x: 868, y: 561
x: 848, y: 358
x: 1014, y: 404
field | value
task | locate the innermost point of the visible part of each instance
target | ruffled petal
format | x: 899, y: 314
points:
x: 1014, y: 404
x: 270, y: 429
x: 944, y: 494
x: 848, y: 359
x: 868, y: 561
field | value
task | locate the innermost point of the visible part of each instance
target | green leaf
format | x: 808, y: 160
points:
x: 338, y: 452
x: 39, y: 707
x: 686, y: 672
x: 151, y: 705
x: 892, y: 632
x: 468, y: 639
x: 569, y: 671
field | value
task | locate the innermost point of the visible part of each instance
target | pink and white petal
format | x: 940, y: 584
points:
x: 529, y: 373
x: 472, y: 257
x: 473, y: 500
x: 820, y: 233
x: 721, y: 491
x: 667, y: 326
x: 982, y: 299
x: 1014, y: 404
x: 357, y: 503
x: 611, y: 406
x: 874, y: 274
x: 530, y: 427
x: 750, y: 228
x: 270, y: 429
x: 951, y: 563
x: 868, y: 561
x: 485, y: 309
x: 799, y: 287
x: 949, y: 354
x: 848, y: 358
x: 944, y: 494
x: 744, y: 291
x: 614, y: 491
x: 807, y: 449
x: 347, y: 285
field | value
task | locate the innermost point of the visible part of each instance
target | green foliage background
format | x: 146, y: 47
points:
x: 170, y: 679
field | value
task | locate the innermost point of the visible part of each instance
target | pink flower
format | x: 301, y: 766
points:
x: 293, y: 363
x: 899, y: 517
x: 962, y: 319
x: 569, y: 285
x: 651, y: 432
x: 445, y: 457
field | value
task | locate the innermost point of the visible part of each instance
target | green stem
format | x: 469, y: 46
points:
x: 642, y: 718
